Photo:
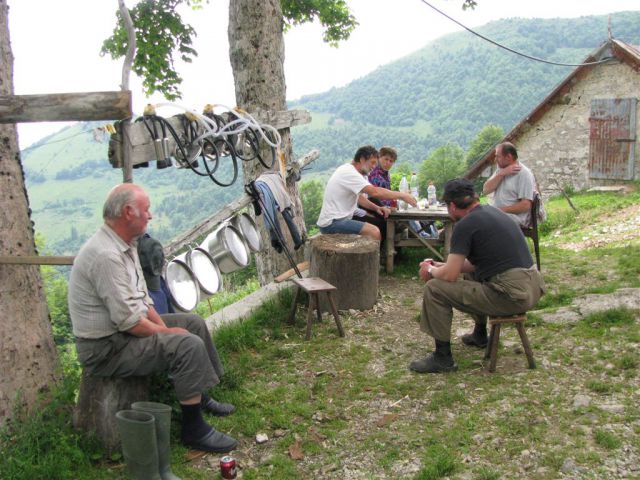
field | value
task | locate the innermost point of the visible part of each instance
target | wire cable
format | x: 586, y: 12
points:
x: 549, y: 62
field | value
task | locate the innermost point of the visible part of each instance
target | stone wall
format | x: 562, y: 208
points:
x: 556, y: 147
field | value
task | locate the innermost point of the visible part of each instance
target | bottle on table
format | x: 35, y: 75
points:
x: 404, y: 188
x: 431, y: 194
x: 413, y: 186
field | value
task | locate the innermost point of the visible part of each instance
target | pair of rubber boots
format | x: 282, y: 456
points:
x: 145, y: 431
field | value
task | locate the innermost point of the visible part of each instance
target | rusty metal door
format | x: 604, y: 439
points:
x: 612, y: 138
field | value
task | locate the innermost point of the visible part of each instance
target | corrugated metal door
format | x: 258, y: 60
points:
x: 612, y: 138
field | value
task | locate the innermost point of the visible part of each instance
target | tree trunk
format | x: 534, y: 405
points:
x: 351, y: 264
x: 27, y: 352
x: 256, y: 51
x: 99, y: 400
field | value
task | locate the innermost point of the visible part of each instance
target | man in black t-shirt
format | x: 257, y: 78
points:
x: 500, y: 279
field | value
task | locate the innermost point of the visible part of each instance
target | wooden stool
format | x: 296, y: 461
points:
x: 494, y: 338
x: 313, y: 286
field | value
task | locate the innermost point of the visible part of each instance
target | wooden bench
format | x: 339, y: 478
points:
x: 314, y: 286
x: 494, y: 337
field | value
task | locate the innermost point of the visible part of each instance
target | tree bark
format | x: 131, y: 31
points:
x: 27, y: 352
x: 351, y: 264
x: 99, y: 400
x: 256, y: 51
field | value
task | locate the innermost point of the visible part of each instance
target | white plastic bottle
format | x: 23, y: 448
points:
x: 404, y: 188
x: 414, y: 186
x: 431, y: 194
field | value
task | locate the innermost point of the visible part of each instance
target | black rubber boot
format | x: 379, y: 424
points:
x: 478, y: 338
x: 440, y: 361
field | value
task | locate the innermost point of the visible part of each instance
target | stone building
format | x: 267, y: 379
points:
x: 584, y: 133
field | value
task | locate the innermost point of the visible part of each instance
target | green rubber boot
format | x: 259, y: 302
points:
x: 139, y: 445
x: 162, y: 414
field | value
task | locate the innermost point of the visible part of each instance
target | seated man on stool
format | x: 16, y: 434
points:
x: 118, y: 331
x: 343, y: 191
x: 502, y: 279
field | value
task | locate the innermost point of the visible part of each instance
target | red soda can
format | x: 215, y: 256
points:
x: 228, y: 467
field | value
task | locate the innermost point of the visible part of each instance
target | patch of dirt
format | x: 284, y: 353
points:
x: 622, y: 226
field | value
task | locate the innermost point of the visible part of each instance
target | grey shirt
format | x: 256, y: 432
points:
x: 107, y: 291
x: 512, y: 189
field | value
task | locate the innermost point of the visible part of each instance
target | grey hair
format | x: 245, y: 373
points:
x: 117, y: 199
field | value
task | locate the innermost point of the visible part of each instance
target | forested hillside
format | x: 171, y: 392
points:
x: 451, y: 88
x: 445, y: 92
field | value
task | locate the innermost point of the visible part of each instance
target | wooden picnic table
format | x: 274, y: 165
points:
x: 421, y: 214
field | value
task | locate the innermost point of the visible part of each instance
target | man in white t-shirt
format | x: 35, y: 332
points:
x: 341, y: 196
x: 512, y: 185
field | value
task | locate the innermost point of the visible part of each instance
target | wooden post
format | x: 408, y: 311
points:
x: 351, y: 264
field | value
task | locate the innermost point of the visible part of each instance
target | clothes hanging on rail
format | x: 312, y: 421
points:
x: 272, y: 206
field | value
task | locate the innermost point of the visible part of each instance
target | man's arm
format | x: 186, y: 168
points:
x: 491, y: 184
x: 523, y: 205
x: 384, y: 194
x: 449, y: 271
x: 364, y: 202
x: 155, y: 317
x: 146, y: 328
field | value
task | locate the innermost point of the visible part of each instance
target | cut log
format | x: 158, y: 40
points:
x: 351, y: 264
x: 99, y: 400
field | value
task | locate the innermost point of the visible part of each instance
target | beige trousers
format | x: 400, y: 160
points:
x: 508, y: 293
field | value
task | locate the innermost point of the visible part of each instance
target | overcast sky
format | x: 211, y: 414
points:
x: 56, y: 45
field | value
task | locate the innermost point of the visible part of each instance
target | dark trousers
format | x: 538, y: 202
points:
x: 191, y: 360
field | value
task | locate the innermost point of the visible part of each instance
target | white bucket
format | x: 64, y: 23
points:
x: 182, y: 284
x: 206, y: 271
x: 228, y: 249
x: 247, y: 226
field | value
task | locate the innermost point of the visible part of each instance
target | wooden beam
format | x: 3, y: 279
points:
x: 59, y: 107
x: 142, y: 148
x: 35, y: 260
x: 207, y: 226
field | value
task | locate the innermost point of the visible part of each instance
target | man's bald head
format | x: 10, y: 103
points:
x: 119, y: 197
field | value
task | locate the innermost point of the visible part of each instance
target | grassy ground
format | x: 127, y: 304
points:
x: 349, y: 408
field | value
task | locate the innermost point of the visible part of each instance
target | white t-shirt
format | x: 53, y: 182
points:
x: 514, y: 188
x: 341, y: 195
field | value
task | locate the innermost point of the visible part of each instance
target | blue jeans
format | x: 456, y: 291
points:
x: 343, y: 226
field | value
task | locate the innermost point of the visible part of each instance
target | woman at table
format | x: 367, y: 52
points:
x: 379, y: 176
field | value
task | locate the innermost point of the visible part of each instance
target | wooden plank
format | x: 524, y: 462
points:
x: 206, y: 226
x: 59, y: 107
x: 143, y: 150
x: 291, y: 272
x: 35, y: 260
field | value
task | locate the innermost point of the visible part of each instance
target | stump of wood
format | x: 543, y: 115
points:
x: 99, y: 400
x: 351, y: 263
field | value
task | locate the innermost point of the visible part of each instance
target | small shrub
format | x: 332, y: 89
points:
x: 607, y: 440
x: 438, y: 462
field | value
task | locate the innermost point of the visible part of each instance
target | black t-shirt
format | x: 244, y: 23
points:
x: 491, y: 241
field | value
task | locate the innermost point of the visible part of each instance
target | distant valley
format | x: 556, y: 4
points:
x: 443, y: 93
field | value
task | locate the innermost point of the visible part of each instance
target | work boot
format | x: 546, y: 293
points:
x: 198, y: 434
x: 162, y: 414
x: 139, y: 444
x: 218, y: 409
x: 440, y: 361
x: 434, y: 363
x: 477, y: 338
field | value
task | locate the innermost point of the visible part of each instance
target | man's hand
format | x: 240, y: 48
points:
x: 510, y: 170
x: 383, y: 211
x: 407, y: 197
x: 178, y: 330
x: 424, y: 271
